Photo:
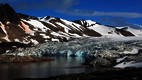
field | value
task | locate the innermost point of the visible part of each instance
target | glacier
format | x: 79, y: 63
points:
x: 82, y: 47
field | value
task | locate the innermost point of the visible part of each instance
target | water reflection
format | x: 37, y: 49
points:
x: 61, y: 65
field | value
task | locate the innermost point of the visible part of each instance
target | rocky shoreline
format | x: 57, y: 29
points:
x: 23, y: 59
x: 100, y: 74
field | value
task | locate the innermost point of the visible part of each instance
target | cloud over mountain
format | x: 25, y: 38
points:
x: 91, y: 13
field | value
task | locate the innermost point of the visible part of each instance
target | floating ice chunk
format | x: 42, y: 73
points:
x: 123, y: 64
x: 134, y: 51
x: 121, y: 59
x: 128, y: 64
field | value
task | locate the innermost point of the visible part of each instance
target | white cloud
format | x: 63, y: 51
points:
x: 89, y: 13
x: 119, y: 14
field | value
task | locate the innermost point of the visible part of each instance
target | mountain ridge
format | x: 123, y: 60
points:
x: 17, y: 27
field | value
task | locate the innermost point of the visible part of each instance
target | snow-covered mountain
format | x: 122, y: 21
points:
x: 15, y: 27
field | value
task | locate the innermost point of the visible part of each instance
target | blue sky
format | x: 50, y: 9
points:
x: 104, y: 11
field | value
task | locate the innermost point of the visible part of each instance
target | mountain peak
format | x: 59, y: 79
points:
x: 7, y: 13
x: 85, y: 23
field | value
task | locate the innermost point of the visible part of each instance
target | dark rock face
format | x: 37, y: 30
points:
x: 26, y: 17
x: 99, y: 61
x: 102, y: 62
x: 124, y: 32
x: 81, y: 22
x: 11, y: 46
x: 84, y: 23
x: 23, y: 59
x: 8, y: 14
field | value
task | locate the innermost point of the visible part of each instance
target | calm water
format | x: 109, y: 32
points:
x: 60, y: 66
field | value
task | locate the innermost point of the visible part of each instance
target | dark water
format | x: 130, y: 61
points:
x: 60, y: 66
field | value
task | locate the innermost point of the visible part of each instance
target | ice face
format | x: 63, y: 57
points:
x: 83, y: 47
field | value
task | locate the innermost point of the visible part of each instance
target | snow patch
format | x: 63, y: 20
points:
x: 37, y: 24
x: 134, y: 51
x: 90, y: 22
x: 34, y: 41
x: 16, y: 40
x: 72, y: 24
x: 44, y: 36
x: 104, y: 30
x: 56, y: 40
x: 46, y: 20
x: 65, y: 27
